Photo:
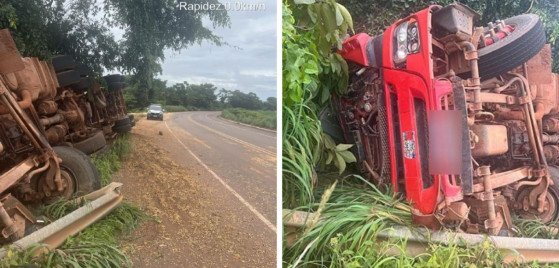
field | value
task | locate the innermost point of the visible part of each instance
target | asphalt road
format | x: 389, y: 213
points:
x: 243, y: 157
x: 239, y: 164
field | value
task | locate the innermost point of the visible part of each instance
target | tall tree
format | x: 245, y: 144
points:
x: 201, y: 96
x: 152, y: 26
x: 82, y: 29
x: 238, y: 99
x: 44, y: 28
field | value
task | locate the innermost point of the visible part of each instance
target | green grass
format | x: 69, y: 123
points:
x: 109, y: 162
x: 259, y: 118
x: 302, y: 136
x: 175, y: 108
x: 352, y: 215
x: 535, y: 228
x: 98, y: 245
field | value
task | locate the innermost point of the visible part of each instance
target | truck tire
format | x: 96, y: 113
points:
x: 553, y: 193
x: 68, y: 78
x: 80, y: 169
x: 522, y: 44
x: 84, y: 84
x: 114, y: 86
x: 551, y: 214
x: 92, y: 144
x: 82, y: 69
x: 123, y: 121
x: 114, y: 78
x: 63, y: 63
x: 122, y: 129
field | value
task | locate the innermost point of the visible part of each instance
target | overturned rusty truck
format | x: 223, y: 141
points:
x: 463, y: 121
x: 52, y: 115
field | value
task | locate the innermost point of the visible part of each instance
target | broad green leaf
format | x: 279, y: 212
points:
x: 329, y: 157
x: 325, y: 96
x: 346, y: 15
x: 341, y: 163
x: 328, y: 142
x: 304, y: 2
x: 339, y: 17
x: 343, y: 147
x: 348, y: 156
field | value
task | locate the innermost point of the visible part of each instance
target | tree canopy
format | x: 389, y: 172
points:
x: 82, y: 29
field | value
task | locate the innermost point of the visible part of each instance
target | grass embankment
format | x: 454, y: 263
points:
x: 352, y: 215
x: 97, y: 245
x: 259, y: 118
x: 175, y: 108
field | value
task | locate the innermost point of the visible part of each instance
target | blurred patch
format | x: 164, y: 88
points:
x: 445, y: 142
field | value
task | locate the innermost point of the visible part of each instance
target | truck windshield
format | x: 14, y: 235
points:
x: 155, y: 108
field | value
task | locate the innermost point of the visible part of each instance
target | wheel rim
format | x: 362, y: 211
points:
x: 550, y: 212
x: 69, y: 184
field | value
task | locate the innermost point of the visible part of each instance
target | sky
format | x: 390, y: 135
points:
x: 249, y: 68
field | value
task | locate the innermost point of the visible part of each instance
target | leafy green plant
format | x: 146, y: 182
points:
x: 311, y: 72
x: 175, y: 108
x: 109, y: 162
x: 97, y: 245
x: 338, y: 154
x: 535, y: 228
x: 351, y: 216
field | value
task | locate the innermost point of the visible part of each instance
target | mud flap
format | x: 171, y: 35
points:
x: 460, y: 104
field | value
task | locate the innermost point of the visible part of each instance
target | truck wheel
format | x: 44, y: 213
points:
x: 551, y: 209
x: 67, y: 78
x: 84, y: 84
x: 82, y: 69
x: 113, y: 78
x: 122, y: 122
x: 522, y: 44
x: 116, y: 86
x: 122, y: 129
x: 63, y: 63
x: 78, y: 173
x: 92, y: 144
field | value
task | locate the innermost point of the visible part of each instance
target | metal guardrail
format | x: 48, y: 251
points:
x: 514, y: 248
x: 99, y: 204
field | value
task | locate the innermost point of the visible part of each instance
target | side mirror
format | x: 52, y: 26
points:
x: 163, y: 110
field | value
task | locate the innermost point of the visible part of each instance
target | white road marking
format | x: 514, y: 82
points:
x: 238, y: 196
x: 242, y: 142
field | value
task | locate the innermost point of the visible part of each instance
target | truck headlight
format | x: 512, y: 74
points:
x: 406, y: 40
x: 413, y: 38
x: 401, y: 42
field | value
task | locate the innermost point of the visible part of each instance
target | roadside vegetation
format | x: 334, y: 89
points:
x: 183, y: 97
x: 175, y: 108
x: 259, y: 118
x: 352, y: 215
x: 351, y: 212
x: 99, y: 244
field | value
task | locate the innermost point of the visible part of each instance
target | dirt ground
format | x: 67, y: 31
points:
x: 198, y: 223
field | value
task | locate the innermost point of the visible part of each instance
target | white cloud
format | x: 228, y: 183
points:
x: 252, y: 68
